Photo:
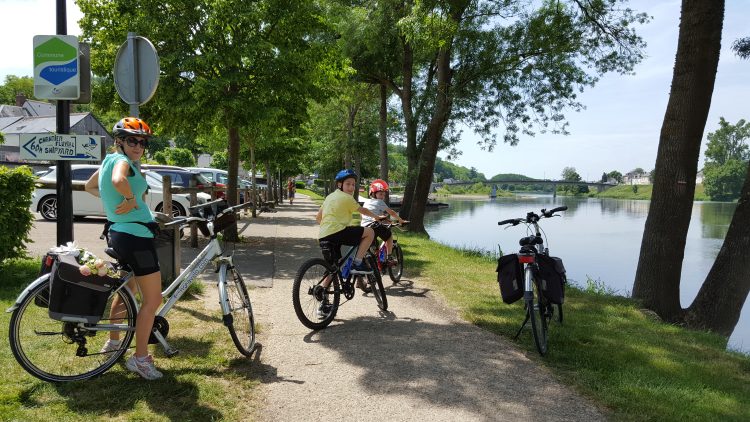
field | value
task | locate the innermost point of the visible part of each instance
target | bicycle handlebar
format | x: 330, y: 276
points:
x: 531, y: 217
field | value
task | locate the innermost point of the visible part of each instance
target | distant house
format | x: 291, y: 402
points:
x: 448, y: 181
x: 699, y: 177
x: 29, y: 116
x: 634, y: 178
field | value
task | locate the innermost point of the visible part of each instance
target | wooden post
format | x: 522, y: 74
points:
x: 193, y: 202
x: 166, y: 207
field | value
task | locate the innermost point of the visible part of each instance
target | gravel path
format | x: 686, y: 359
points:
x: 416, y: 362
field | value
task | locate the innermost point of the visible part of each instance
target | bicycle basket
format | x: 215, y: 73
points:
x: 75, y: 297
x: 223, y: 221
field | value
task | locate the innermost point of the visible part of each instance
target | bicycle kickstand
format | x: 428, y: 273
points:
x: 522, y: 325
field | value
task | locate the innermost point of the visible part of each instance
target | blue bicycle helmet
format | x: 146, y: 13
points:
x: 345, y: 174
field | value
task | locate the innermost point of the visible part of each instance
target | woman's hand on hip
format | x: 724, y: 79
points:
x: 126, y: 206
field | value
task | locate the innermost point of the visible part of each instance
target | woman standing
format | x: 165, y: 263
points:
x: 122, y: 189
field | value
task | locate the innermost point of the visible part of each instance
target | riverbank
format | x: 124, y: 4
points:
x: 607, y: 349
x: 641, y: 192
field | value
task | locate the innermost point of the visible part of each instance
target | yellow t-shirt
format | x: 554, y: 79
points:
x: 338, y: 208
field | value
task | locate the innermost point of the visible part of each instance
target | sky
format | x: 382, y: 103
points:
x: 618, y: 130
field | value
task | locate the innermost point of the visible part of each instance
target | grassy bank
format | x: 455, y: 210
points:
x: 641, y: 192
x: 607, y: 349
x: 310, y: 193
x: 208, y: 380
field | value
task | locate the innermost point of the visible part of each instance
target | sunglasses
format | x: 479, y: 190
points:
x: 132, y: 142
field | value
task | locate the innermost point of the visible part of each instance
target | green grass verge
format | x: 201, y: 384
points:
x: 607, y: 349
x: 642, y: 192
x: 208, y: 380
x: 314, y: 196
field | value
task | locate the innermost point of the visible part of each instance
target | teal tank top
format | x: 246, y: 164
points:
x: 124, y: 223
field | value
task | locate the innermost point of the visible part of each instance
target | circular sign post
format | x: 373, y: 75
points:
x: 136, y: 71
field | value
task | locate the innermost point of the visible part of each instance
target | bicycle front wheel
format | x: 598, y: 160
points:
x: 57, y: 351
x: 376, y: 284
x: 240, y: 320
x: 315, y: 304
x: 537, y: 312
x: 397, y: 270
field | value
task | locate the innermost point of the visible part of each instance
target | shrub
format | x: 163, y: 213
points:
x: 16, y: 187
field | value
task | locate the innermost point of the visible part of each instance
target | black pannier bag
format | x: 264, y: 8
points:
x: 75, y: 297
x: 510, y: 278
x: 552, y: 278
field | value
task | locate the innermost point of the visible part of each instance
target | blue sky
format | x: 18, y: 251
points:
x: 619, y: 130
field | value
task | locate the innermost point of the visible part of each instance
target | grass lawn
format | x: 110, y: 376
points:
x: 607, y: 348
x: 208, y: 380
x: 642, y: 192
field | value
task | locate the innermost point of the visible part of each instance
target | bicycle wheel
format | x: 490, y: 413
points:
x: 537, y: 312
x: 315, y: 305
x: 396, y: 271
x: 58, y: 351
x: 240, y: 321
x: 376, y: 284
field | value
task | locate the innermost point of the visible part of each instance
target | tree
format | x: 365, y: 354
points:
x: 219, y: 160
x: 16, y: 85
x: 742, y: 47
x: 487, y: 64
x: 616, y: 175
x: 570, y: 174
x: 180, y: 157
x: 727, y: 155
x: 657, y: 279
x: 604, y: 178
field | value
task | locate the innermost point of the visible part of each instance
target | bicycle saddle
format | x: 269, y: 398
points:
x: 530, y: 240
x: 111, y: 252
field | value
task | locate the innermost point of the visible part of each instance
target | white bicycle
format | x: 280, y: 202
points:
x: 68, y: 348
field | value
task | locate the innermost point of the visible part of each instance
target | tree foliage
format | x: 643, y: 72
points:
x: 726, y: 162
x: 16, y: 85
x: 180, y: 157
x: 616, y: 175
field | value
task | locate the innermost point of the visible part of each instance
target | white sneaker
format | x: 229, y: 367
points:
x: 111, y: 346
x: 144, y: 368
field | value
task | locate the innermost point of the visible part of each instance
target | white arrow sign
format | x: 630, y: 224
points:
x: 54, y: 147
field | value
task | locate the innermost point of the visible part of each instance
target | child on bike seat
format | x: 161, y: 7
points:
x: 335, y: 215
x: 376, y: 204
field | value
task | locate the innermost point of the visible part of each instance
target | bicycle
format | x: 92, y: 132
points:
x: 395, y: 271
x: 310, y: 296
x: 58, y: 350
x: 536, y: 287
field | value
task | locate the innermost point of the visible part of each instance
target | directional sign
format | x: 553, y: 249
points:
x: 136, y: 70
x: 56, y: 70
x: 54, y: 147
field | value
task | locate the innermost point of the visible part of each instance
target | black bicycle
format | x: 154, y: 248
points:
x: 543, y: 278
x: 320, y: 282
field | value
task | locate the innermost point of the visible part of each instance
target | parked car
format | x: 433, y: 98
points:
x: 44, y: 201
x: 222, y: 177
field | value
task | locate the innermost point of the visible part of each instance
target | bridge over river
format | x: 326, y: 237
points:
x: 600, y: 186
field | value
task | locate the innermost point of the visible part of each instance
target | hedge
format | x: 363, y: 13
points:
x: 16, y: 187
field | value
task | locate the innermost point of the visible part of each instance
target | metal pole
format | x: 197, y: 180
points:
x: 64, y: 190
x: 133, y: 51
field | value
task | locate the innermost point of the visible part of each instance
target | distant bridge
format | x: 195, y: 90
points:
x: 600, y: 186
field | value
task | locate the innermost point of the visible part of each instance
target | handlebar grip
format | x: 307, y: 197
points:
x: 509, y: 221
x: 554, y: 210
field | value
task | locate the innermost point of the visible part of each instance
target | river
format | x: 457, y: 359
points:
x: 598, y: 239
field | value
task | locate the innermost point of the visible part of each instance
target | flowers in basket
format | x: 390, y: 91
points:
x: 90, y: 264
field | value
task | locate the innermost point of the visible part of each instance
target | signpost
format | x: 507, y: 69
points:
x: 54, y: 147
x: 56, y: 67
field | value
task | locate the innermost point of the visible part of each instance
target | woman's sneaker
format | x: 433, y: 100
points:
x: 110, y: 346
x: 143, y: 367
x: 361, y: 268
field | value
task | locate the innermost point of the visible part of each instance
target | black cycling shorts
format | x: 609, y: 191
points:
x: 382, y: 232
x: 351, y: 236
x: 138, y: 252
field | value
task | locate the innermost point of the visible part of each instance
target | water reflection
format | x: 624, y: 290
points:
x: 597, y: 238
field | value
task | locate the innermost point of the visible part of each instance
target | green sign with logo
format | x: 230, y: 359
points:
x: 56, y: 67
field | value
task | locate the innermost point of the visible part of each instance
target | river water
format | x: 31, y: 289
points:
x: 598, y: 239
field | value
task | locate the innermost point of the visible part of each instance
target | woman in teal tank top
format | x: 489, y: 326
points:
x: 121, y: 186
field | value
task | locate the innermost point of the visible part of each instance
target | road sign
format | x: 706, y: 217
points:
x: 56, y: 70
x: 136, y: 70
x: 53, y: 147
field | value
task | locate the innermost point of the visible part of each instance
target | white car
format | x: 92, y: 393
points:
x: 44, y: 200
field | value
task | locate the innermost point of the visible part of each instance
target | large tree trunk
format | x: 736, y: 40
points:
x: 234, y: 159
x: 719, y: 302
x: 432, y: 141
x: 410, y: 125
x: 657, y: 279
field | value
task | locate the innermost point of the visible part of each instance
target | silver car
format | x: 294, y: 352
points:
x: 44, y: 200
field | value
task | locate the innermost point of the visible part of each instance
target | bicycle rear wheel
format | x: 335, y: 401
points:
x: 315, y: 305
x: 57, y: 351
x: 240, y: 321
x: 376, y: 284
x: 397, y: 270
x: 536, y: 307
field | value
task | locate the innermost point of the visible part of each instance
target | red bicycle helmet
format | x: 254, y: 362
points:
x: 378, y: 185
x: 131, y: 126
